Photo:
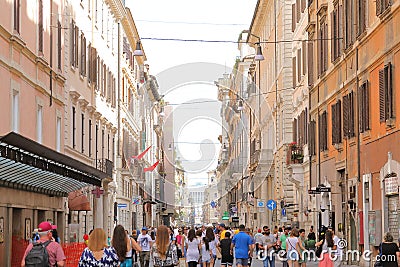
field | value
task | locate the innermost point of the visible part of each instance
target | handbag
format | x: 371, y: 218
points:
x: 318, y: 252
x: 378, y: 262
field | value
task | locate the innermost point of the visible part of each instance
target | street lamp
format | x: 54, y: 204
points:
x: 259, y: 56
x: 138, y: 51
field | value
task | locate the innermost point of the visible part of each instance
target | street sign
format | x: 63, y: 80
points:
x: 213, y: 204
x: 313, y: 192
x: 323, y: 189
x: 235, y: 219
x: 225, y: 218
x: 122, y: 205
x: 284, y: 212
x: 271, y: 204
x: 260, y: 203
x: 284, y: 219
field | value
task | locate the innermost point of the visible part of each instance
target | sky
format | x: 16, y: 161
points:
x: 186, y: 71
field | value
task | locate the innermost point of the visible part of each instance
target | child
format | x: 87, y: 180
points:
x: 226, y: 252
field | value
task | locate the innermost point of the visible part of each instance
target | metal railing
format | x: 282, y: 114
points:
x: 105, y: 165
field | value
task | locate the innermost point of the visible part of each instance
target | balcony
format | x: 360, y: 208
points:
x: 105, y: 166
x: 294, y: 154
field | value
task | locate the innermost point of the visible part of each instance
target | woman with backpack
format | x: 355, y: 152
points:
x: 124, y: 245
x: 97, y: 253
x: 325, y: 246
x: 163, y: 252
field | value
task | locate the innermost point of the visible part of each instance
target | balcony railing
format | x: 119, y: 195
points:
x: 105, y: 165
x: 295, y: 154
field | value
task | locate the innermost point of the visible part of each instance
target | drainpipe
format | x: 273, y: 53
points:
x: 119, y: 95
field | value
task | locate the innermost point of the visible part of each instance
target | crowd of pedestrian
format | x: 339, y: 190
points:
x: 198, y: 247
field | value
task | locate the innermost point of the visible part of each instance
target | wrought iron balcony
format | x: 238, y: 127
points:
x: 105, y: 166
x: 294, y: 154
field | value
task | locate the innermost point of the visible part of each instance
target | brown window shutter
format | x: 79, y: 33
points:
x: 389, y: 90
x: 339, y: 120
x: 310, y: 63
x: 298, y: 65
x: 319, y: 54
x: 298, y: 11
x: 320, y: 134
x: 305, y: 126
x: 367, y: 108
x: 294, y: 71
x: 304, y: 57
x: 89, y: 70
x: 293, y: 17
x: 17, y: 13
x: 361, y: 17
x: 382, y: 96
x: 59, y: 45
x: 333, y: 39
x: 333, y: 123
x: 326, y: 47
x: 346, y: 116
x: 361, y: 108
x: 312, y: 137
x: 325, y: 121
x: 340, y: 29
x: 294, y: 130
x: 378, y: 7
x: 94, y: 66
x: 76, y: 46
x: 72, y: 44
x: 303, y: 5
x: 40, y: 26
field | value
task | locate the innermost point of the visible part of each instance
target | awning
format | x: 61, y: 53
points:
x: 23, y: 150
x: 78, y: 201
x: 24, y: 177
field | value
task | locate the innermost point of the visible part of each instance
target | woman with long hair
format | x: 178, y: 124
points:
x: 205, y: 252
x: 192, y: 249
x: 124, y: 246
x: 164, y: 252
x: 213, y: 241
x: 97, y: 253
x: 327, y: 246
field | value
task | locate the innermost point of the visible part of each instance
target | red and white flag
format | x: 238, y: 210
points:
x: 152, y: 167
x: 141, y: 155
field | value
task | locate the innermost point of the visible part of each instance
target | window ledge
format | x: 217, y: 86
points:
x: 385, y: 13
x: 390, y: 124
x: 362, y: 35
x: 366, y: 135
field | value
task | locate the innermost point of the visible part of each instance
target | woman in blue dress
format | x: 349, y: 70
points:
x: 97, y: 252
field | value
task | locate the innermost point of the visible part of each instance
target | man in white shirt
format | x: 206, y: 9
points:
x: 145, y: 242
x: 339, y: 249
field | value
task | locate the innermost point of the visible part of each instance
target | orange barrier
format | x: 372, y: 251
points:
x: 72, y: 251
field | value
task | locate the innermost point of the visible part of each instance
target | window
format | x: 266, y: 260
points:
x: 349, y: 16
x: 108, y: 146
x: 382, y: 5
x: 40, y: 26
x: 322, y: 48
x: 363, y: 93
x: 73, y: 127
x: 97, y: 142
x: 90, y: 137
x: 17, y: 15
x: 293, y: 17
x: 83, y: 55
x: 336, y: 32
x: 348, y: 115
x: 113, y: 146
x: 323, y: 131
x: 294, y: 72
x: 386, y: 98
x: 39, y: 123
x: 58, y: 134
x: 82, y: 133
x: 310, y: 63
x: 337, y: 122
x: 304, y: 57
x: 95, y: 9
x: 92, y: 70
x: 312, y: 133
x: 59, y: 44
x: 102, y: 143
x: 15, y: 111
x: 298, y: 65
x: 361, y: 13
x: 298, y: 11
x: 295, y: 130
x: 74, y: 44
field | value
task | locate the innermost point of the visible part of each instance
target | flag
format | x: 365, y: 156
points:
x: 140, y: 156
x: 151, y: 168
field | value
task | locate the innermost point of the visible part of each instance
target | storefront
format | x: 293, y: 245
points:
x: 35, y: 182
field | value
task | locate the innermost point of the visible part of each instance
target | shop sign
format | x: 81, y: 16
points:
x: 391, y: 186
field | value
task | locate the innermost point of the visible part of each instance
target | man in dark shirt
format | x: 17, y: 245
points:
x: 311, y: 234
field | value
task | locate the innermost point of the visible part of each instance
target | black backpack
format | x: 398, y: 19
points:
x: 38, y: 256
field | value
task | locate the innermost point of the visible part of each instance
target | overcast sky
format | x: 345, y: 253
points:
x: 197, y: 126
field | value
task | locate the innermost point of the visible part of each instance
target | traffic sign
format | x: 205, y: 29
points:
x: 271, y: 204
x: 213, y: 204
x: 260, y: 203
x: 122, y: 205
x: 323, y: 189
x: 235, y: 219
x: 225, y: 218
x: 313, y: 192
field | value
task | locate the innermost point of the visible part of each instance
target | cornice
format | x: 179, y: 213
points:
x: 90, y: 109
x: 83, y: 103
x: 74, y: 96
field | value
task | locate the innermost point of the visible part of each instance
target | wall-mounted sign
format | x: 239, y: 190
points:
x: 391, y: 186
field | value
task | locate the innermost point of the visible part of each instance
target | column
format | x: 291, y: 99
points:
x: 106, y: 212
x: 8, y: 224
x: 98, y: 212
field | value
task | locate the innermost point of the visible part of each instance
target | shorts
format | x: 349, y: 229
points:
x: 243, y: 262
x: 225, y: 261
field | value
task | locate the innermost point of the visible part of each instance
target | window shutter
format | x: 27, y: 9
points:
x: 361, y: 17
x: 378, y: 7
x: 389, y: 86
x: 59, y: 45
x: 303, y: 5
x: 303, y: 49
x: 298, y: 11
x: 320, y: 134
x: 298, y: 65
x: 340, y: 29
x: 305, y: 126
x: 310, y: 63
x: 72, y: 44
x: 40, y: 26
x: 325, y: 46
x: 294, y: 130
x: 366, y: 105
x: 352, y: 114
x: 90, y: 63
x: 94, y: 66
x: 361, y: 108
x: 294, y: 71
x: 333, y: 123
x: 319, y: 54
x: 339, y: 120
x: 293, y: 17
x: 333, y: 39
x: 76, y: 46
x: 382, y: 96
x: 346, y: 116
x: 312, y: 137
